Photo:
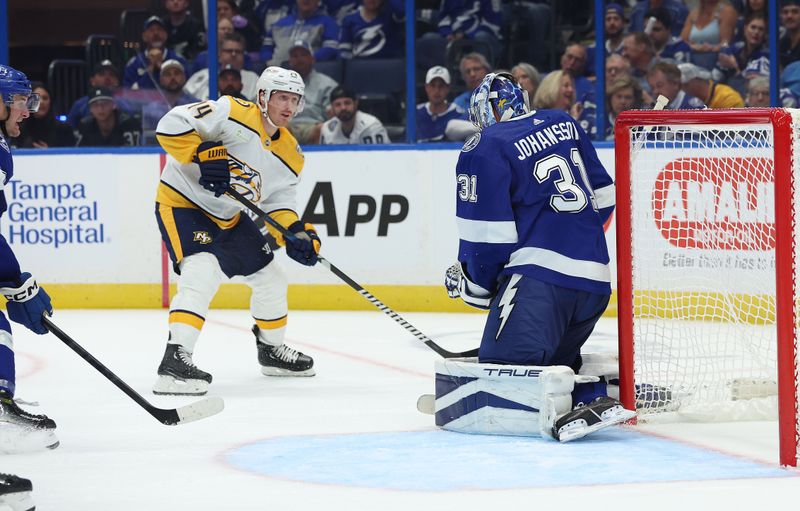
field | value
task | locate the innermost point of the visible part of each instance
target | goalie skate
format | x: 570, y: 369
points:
x: 22, y: 432
x: 15, y: 493
x: 282, y: 360
x: 600, y: 413
x: 177, y: 374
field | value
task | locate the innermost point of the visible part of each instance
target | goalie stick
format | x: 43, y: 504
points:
x: 262, y: 215
x: 173, y: 416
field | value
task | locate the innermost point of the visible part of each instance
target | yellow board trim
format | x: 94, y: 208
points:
x: 271, y: 324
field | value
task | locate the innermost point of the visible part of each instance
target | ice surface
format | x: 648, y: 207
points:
x: 349, y: 438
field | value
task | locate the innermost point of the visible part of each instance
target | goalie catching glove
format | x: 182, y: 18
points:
x: 458, y: 284
x: 303, y: 247
x: 27, y: 302
x: 215, y: 176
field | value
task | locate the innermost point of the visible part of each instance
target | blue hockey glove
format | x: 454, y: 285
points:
x: 458, y: 284
x: 27, y: 302
x: 215, y: 176
x: 305, y: 246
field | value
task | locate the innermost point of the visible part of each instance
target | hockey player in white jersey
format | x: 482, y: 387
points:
x: 349, y: 125
x: 213, y: 146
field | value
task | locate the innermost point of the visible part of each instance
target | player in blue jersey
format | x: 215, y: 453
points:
x: 20, y: 431
x: 532, y: 198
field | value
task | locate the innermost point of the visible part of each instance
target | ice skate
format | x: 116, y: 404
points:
x: 15, y: 493
x: 282, y: 360
x: 21, y: 431
x: 177, y: 374
x: 600, y: 413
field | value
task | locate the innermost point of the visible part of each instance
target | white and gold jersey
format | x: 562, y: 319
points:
x: 366, y: 130
x: 264, y: 169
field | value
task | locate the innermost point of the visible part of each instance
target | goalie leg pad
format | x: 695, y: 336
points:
x: 501, y: 399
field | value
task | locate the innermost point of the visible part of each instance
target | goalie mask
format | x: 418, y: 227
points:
x: 275, y: 79
x: 497, y: 92
x: 12, y: 83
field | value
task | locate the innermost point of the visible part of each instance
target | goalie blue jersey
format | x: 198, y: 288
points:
x: 532, y: 198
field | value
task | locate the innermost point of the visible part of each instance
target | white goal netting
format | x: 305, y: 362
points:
x: 703, y: 271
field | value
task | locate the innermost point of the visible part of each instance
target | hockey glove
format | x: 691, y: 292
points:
x: 458, y: 284
x: 305, y: 245
x: 212, y: 157
x: 27, y: 302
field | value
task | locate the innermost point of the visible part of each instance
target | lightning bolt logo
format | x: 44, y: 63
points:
x: 505, y: 304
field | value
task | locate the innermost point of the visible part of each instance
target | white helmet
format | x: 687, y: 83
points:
x: 276, y: 78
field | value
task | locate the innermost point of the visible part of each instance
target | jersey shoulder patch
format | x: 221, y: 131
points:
x: 471, y: 143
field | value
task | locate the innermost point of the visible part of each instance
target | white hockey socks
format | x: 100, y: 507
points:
x: 197, y: 284
x: 268, y: 303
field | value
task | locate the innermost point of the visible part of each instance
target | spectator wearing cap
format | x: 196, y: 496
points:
x: 41, y: 129
x: 231, y: 52
x: 677, y: 10
x: 744, y: 58
x: 709, y: 27
x: 697, y: 82
x: 104, y: 74
x: 229, y: 82
x: 435, y: 118
x: 142, y: 70
x: 614, y: 22
x: 106, y: 126
x: 665, y: 80
x: 170, y: 94
x: 185, y: 33
x: 666, y: 45
x: 789, y: 43
x: 306, y: 125
x: 639, y: 50
x: 320, y: 31
x: 479, y: 20
x: 473, y: 67
x: 374, y: 31
x: 349, y: 125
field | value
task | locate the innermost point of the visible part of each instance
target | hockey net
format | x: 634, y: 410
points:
x: 707, y: 248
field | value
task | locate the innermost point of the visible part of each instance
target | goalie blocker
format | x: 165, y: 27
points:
x: 517, y: 400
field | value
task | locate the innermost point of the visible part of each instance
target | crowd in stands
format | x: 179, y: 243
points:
x: 696, y: 53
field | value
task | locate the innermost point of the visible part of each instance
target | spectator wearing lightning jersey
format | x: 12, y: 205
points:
x: 437, y: 119
x: 667, y: 46
x: 349, y: 125
x: 471, y: 19
x: 374, y: 30
x: 321, y: 32
x: 614, y: 23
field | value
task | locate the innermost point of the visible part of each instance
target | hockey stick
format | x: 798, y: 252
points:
x: 195, y: 411
x: 352, y: 283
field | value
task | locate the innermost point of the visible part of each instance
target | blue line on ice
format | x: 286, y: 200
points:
x: 445, y: 461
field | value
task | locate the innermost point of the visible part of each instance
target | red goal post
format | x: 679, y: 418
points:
x: 707, y: 265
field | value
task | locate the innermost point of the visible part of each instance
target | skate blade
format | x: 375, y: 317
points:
x: 580, y: 432
x: 21, y: 501
x: 15, y: 439
x: 426, y: 403
x: 276, y: 371
x: 171, y: 386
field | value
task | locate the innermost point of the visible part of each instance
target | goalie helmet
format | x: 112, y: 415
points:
x: 275, y: 79
x: 13, y: 82
x: 497, y: 92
